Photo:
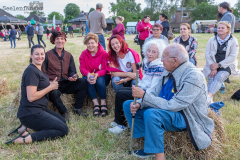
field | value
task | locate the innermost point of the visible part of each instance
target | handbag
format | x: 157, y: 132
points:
x: 136, y: 39
x: 170, y: 33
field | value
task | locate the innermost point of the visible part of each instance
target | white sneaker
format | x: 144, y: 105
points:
x: 113, y: 124
x: 116, y: 130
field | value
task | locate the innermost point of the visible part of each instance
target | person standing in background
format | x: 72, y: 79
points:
x: 119, y: 29
x: 226, y: 14
x: 97, y: 22
x: 144, y: 28
x: 58, y: 28
x: 87, y: 29
x: 66, y: 29
x: 159, y: 21
x: 39, y: 32
x: 165, y: 24
x: 70, y: 29
x: 48, y: 32
x: 12, y: 36
x: 53, y: 29
x: 30, y: 33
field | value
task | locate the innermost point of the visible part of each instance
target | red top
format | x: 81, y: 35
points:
x: 58, y: 28
x: 2, y: 34
x: 144, y: 33
x: 120, y: 30
x: 89, y: 63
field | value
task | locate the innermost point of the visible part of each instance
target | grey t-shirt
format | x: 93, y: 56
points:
x: 228, y: 16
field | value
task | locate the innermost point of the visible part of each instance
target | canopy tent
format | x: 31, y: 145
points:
x: 33, y: 22
x: 202, y: 22
x: 131, y: 26
x: 6, y: 21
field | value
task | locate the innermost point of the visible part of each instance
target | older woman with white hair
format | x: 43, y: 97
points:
x: 221, y: 57
x: 153, y: 69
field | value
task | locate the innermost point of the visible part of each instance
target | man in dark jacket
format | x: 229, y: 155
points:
x: 30, y: 33
x: 177, y: 102
x: 12, y: 36
x: 60, y: 63
x: 70, y: 29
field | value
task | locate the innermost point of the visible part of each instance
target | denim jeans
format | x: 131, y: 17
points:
x: 100, y: 85
x: 39, y: 37
x: 192, y: 61
x: 14, y: 42
x: 30, y: 40
x: 151, y: 124
x: 102, y: 40
x: 116, y: 87
x: 48, y: 124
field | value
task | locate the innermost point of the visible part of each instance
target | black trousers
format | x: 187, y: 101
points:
x: 48, y: 124
x: 39, y: 37
x: 141, y: 42
x: 78, y: 87
x: 30, y: 40
x: 123, y: 94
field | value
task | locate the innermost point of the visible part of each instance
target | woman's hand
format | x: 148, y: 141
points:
x: 137, y: 92
x: 120, y: 82
x: 145, y: 28
x: 213, y: 73
x: 54, y: 84
x: 92, y: 80
x: 132, y: 75
x: 214, y: 66
x: 134, y: 108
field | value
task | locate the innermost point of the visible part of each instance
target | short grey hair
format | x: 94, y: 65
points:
x: 13, y: 26
x: 29, y: 22
x: 99, y: 5
x: 178, y: 51
x: 161, y: 45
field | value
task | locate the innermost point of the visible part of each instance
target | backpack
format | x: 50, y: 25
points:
x: 170, y: 34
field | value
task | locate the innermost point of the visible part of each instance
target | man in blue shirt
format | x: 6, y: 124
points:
x: 30, y: 33
x: 70, y: 29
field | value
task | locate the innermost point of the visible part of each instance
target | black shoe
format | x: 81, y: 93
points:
x: 96, y: 112
x: 227, y: 80
x: 66, y: 116
x: 45, y: 46
x: 79, y: 112
x: 104, y: 111
x: 20, y: 135
x: 14, y: 131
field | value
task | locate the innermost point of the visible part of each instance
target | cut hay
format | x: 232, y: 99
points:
x: 3, y: 86
x: 69, y: 100
x: 178, y: 144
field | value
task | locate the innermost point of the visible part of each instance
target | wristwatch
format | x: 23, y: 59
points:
x: 219, y: 65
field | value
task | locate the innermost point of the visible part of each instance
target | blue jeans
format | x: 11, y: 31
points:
x: 100, y: 85
x: 193, y: 61
x: 14, y: 42
x: 116, y: 87
x: 102, y: 40
x: 151, y: 124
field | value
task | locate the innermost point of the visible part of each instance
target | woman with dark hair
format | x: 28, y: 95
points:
x: 119, y: 29
x: 144, y: 28
x: 93, y: 68
x: 188, y: 41
x: 225, y: 13
x: 33, y: 112
x: 165, y: 24
x: 122, y: 63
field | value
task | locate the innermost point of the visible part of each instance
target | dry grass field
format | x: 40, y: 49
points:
x: 88, y: 137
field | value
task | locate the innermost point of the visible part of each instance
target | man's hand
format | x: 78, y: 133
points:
x: 134, y: 108
x: 213, y: 73
x: 137, y: 92
x: 73, y: 78
x: 214, y: 66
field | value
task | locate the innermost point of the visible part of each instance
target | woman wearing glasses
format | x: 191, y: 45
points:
x: 157, y: 30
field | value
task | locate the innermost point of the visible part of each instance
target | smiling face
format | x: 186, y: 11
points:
x: 92, y: 46
x: 222, y: 29
x: 116, y: 45
x: 152, y: 53
x: 59, y: 42
x: 156, y: 32
x: 184, y: 30
x: 38, y: 56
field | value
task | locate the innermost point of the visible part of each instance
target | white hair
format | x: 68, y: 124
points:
x: 161, y: 45
x: 29, y: 22
x: 178, y: 51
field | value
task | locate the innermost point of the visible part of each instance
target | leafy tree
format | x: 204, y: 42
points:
x: 236, y: 9
x: 204, y: 11
x: 91, y: 9
x: 71, y: 11
x: 19, y: 16
x: 38, y: 13
x: 57, y: 15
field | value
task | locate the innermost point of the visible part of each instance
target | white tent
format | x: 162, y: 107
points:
x: 203, y: 22
x: 131, y: 26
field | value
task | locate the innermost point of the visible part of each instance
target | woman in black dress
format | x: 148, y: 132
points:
x: 33, y: 112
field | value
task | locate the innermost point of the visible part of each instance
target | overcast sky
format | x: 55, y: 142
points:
x: 59, y: 5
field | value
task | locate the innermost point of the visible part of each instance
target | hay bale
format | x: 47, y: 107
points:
x: 16, y: 100
x: 3, y: 86
x: 178, y: 144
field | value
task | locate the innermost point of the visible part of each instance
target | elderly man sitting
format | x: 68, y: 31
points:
x: 177, y: 102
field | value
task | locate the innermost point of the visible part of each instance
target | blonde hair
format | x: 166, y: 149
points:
x: 227, y: 24
x: 90, y: 36
x: 185, y: 24
x: 120, y: 18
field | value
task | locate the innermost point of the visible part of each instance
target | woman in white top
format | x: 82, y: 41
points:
x: 122, y: 61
